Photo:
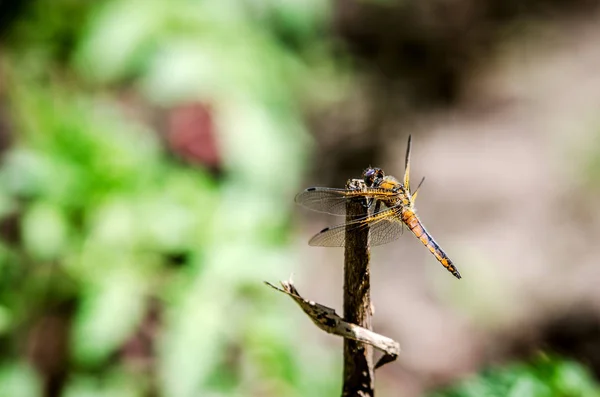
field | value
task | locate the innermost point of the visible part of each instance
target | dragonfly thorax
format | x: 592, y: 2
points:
x: 375, y: 178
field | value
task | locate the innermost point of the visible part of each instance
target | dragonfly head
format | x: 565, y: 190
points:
x: 373, y: 176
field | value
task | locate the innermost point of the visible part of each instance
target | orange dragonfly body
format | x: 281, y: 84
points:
x: 391, y: 206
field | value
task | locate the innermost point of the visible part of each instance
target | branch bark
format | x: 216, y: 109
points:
x: 358, y: 356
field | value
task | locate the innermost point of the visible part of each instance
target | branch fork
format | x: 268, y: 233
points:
x: 329, y: 321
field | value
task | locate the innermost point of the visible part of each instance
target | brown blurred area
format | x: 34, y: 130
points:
x: 502, y: 100
x: 419, y: 59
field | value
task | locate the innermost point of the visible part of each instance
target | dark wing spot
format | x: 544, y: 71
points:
x: 324, y: 230
x: 310, y: 189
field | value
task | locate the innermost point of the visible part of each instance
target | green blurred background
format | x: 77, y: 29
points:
x: 151, y: 151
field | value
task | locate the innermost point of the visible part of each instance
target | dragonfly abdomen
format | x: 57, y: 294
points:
x: 414, y: 224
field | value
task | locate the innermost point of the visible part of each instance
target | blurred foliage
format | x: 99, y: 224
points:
x: 148, y: 269
x: 544, y: 376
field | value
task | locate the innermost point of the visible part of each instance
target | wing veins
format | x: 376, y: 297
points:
x: 383, y: 230
x: 333, y: 200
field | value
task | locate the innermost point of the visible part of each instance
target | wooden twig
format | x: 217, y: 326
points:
x: 358, y: 356
x: 329, y: 321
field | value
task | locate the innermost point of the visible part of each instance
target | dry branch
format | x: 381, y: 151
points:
x: 329, y: 321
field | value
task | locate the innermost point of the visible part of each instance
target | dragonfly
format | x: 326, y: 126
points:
x: 391, y: 207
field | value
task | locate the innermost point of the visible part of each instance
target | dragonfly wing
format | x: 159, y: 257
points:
x: 383, y: 228
x: 333, y: 201
x: 385, y: 231
x: 324, y: 199
x: 330, y: 237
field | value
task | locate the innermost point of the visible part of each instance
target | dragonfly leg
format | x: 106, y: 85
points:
x: 369, y: 202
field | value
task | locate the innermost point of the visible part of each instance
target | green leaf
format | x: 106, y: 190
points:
x: 45, y: 231
x: 543, y: 376
x: 120, y: 38
x: 112, y: 309
x: 115, y: 384
x: 528, y: 386
x: 19, y: 380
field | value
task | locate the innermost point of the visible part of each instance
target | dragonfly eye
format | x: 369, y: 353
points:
x: 373, y: 176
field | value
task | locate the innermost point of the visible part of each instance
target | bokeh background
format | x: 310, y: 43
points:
x: 151, y: 151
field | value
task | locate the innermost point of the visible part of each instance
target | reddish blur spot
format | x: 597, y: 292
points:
x: 191, y: 134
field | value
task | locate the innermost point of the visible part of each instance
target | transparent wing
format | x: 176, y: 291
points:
x: 333, y: 201
x: 384, y: 227
x: 324, y: 199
